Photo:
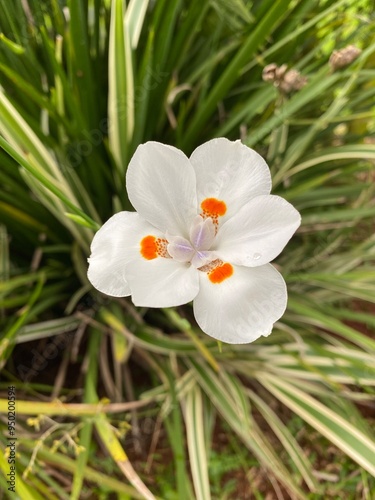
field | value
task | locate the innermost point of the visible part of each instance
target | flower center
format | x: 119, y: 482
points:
x: 196, y: 250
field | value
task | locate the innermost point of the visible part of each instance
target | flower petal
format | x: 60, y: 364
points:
x: 162, y: 282
x: 115, y: 245
x: 161, y: 186
x: 258, y: 232
x: 229, y: 172
x: 242, y: 307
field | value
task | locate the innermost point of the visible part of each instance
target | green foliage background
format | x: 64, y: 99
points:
x: 83, y: 82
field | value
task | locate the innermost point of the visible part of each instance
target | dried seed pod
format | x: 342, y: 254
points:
x: 293, y: 80
x: 343, y: 57
x: 285, y: 80
x: 281, y: 71
x: 269, y: 72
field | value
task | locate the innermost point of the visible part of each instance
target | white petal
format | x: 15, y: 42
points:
x: 161, y: 186
x: 230, y: 172
x: 115, y: 245
x: 258, y: 232
x: 243, y: 307
x: 162, y: 282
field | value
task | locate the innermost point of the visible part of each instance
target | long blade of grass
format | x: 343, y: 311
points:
x: 85, y: 435
x: 315, y: 87
x: 195, y: 430
x: 238, y: 418
x: 4, y: 254
x: 8, y: 336
x: 134, y: 18
x: 315, y: 316
x: 356, y: 444
x: 24, y: 490
x: 82, y: 73
x: 73, y: 409
x: 263, y: 29
x: 290, y: 444
x: 46, y: 329
x: 45, y: 181
x: 121, y: 88
x: 68, y: 464
x: 116, y: 451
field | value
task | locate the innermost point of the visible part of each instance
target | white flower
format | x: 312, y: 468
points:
x: 205, y: 229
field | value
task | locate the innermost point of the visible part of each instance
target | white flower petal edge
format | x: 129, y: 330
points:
x: 258, y: 232
x: 161, y: 185
x: 162, y: 282
x: 231, y: 172
x: 115, y: 245
x: 243, y: 307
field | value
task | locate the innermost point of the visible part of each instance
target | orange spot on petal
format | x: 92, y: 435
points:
x: 220, y: 273
x: 213, y: 207
x: 152, y: 247
x: 149, y: 247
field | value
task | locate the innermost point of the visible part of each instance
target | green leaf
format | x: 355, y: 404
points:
x: 239, y: 419
x: 83, y: 221
x: 195, y: 431
x: 23, y: 489
x: 121, y: 88
x: 134, y: 19
x: 359, y: 446
x: 81, y: 70
x: 262, y: 30
x: 49, y: 184
x: 14, y: 47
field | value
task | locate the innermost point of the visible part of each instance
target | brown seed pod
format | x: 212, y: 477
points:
x: 343, y: 57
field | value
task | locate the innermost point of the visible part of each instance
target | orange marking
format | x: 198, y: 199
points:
x: 149, y: 247
x: 220, y: 273
x: 213, y: 208
x: 152, y: 247
x: 161, y: 246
